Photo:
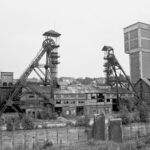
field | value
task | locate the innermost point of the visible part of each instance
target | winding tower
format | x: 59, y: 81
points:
x: 47, y: 73
x: 137, y: 45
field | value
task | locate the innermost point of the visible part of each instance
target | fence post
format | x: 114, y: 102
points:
x: 24, y: 140
x: 67, y: 135
x: 13, y: 140
x: 33, y: 146
x: 1, y: 138
x: 57, y: 135
x: 46, y: 134
x: 36, y: 138
x: 145, y: 129
x: 131, y: 132
x: 78, y: 135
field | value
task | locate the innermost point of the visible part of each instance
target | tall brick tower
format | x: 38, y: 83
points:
x: 137, y: 45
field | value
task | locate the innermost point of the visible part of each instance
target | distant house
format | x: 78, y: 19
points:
x: 67, y: 80
x: 101, y: 80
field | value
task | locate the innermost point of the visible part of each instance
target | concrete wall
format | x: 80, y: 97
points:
x: 146, y: 64
x: 33, y: 139
x: 134, y: 67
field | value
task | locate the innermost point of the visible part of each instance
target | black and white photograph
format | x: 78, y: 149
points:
x: 74, y: 75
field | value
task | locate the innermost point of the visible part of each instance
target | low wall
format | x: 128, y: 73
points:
x: 33, y: 139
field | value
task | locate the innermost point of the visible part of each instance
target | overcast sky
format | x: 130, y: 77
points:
x: 86, y: 26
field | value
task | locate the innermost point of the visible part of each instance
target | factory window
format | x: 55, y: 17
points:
x: 66, y: 102
x: 108, y: 100
x: 58, y: 96
x: 99, y: 100
x: 88, y: 96
x: 81, y: 95
x: 113, y: 95
x: 73, y: 102
x: 30, y: 92
x: 107, y: 95
x: 58, y: 101
x: 93, y: 96
x: 94, y: 111
x: 10, y: 84
x: 5, y: 84
x: 65, y: 95
x: 31, y: 96
x: 73, y: 95
x: 81, y: 102
x: 100, y: 95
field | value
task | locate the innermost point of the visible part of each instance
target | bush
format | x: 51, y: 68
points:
x: 124, y: 115
x: 125, y: 119
x: 39, y: 115
x: 129, y: 117
x: 143, y: 112
x: 147, y: 139
x: 2, y: 122
x: 53, y: 116
x: 13, y: 123
x: 9, y: 125
x: 128, y: 103
x: 46, y: 114
x: 84, y: 121
x: 47, y: 144
x: 27, y: 123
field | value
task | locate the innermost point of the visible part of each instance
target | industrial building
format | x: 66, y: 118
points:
x: 69, y: 100
x: 77, y: 99
x: 142, y: 86
x: 47, y: 73
x: 6, y: 84
x: 74, y: 100
x: 137, y: 45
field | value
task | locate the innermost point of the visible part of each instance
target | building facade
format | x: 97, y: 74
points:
x: 142, y: 87
x: 74, y: 101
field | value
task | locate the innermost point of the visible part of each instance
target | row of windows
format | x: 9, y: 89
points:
x: 57, y: 96
x: 80, y: 101
x: 7, y: 84
x: 36, y: 102
x: 89, y: 96
x: 96, y: 110
x: 67, y: 102
x: 98, y: 97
